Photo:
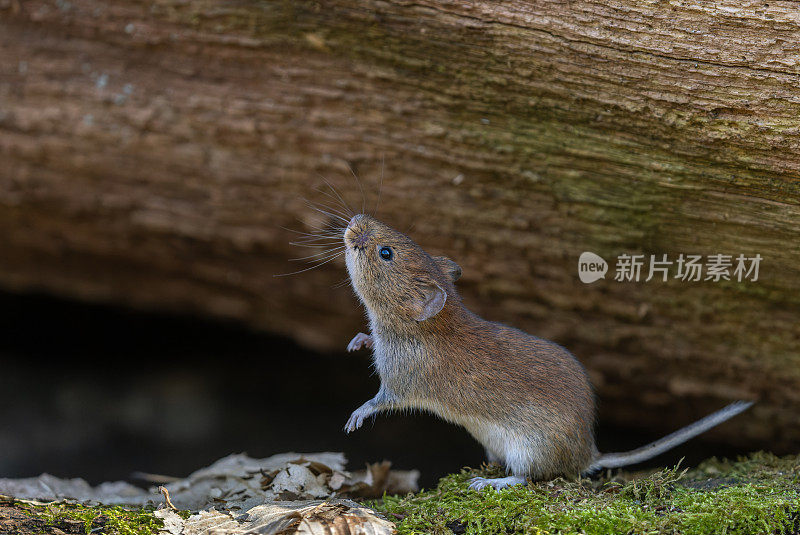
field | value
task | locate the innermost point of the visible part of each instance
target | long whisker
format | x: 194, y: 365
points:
x: 336, y: 192
x: 329, y: 231
x: 325, y: 246
x: 327, y: 228
x: 328, y: 239
x: 323, y: 233
x: 341, y: 200
x: 338, y: 196
x: 344, y: 210
x: 316, y: 242
x: 329, y: 214
x: 309, y: 268
x: 380, y: 188
x: 318, y: 238
x: 363, y: 196
x: 342, y: 283
x: 319, y: 206
x: 320, y: 255
x: 310, y: 240
x: 332, y: 209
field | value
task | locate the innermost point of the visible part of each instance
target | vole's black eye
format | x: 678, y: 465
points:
x: 386, y: 253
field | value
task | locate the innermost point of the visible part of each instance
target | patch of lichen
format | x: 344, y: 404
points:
x: 757, y: 494
x: 81, y: 518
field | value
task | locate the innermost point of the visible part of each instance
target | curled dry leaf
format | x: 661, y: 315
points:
x: 337, y: 480
x: 378, y: 478
x: 300, y: 481
x: 173, y: 523
x: 314, y: 517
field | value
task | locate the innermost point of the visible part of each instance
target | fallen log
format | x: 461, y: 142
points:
x: 153, y: 151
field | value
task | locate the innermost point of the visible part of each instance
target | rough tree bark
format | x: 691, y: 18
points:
x: 152, y: 151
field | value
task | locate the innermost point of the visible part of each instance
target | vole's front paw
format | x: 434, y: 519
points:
x: 478, y: 483
x: 357, y: 418
x: 360, y: 340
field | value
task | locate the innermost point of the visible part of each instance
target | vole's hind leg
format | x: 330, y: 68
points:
x: 478, y: 483
x: 382, y: 401
x: 515, y: 453
x: 360, y: 340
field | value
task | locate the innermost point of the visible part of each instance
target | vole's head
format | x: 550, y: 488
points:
x: 395, y: 279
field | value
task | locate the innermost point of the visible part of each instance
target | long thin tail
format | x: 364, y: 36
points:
x: 614, y: 460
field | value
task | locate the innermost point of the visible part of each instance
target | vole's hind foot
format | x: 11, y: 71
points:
x: 478, y: 483
x: 360, y: 340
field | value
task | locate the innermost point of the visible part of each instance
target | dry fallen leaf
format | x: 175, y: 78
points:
x: 48, y: 488
x: 379, y: 478
x: 239, y: 494
x: 314, y: 517
x: 173, y: 523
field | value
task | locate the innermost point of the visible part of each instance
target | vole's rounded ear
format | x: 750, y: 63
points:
x: 448, y: 267
x: 429, y: 303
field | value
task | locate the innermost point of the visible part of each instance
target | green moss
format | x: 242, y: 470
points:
x: 111, y: 520
x: 758, y: 494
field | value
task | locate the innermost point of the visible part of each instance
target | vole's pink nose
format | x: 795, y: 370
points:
x: 356, y: 236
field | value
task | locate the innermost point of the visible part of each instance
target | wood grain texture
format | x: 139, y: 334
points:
x: 152, y: 151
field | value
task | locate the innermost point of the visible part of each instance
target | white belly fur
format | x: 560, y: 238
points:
x: 521, y: 454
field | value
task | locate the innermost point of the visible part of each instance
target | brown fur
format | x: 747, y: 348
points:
x: 527, y: 400
x: 483, y: 375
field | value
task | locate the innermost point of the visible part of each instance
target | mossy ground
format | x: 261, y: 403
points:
x: 753, y: 495
x: 23, y: 517
x: 757, y: 494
